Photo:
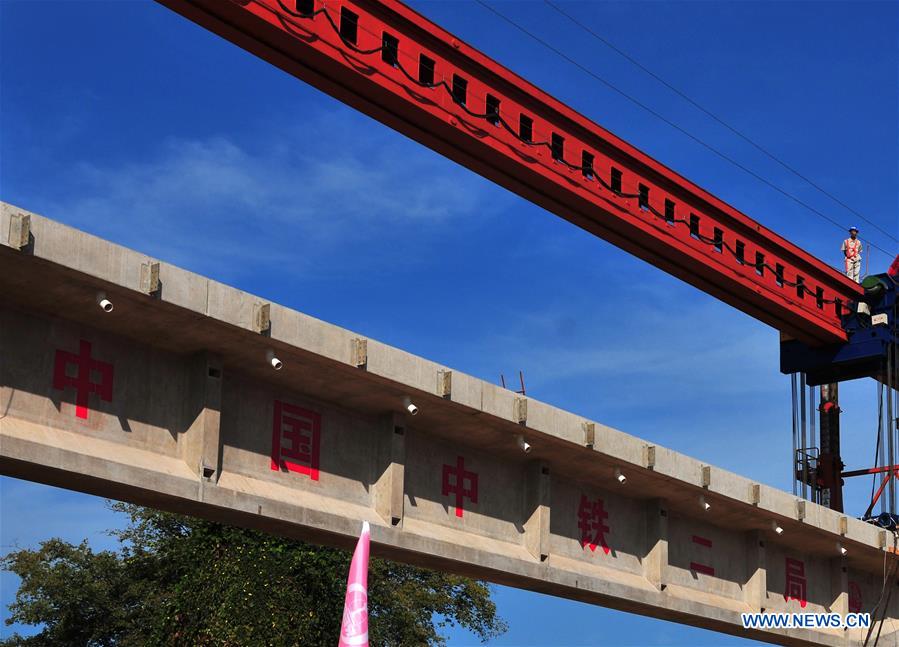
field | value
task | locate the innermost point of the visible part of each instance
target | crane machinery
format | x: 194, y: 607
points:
x: 393, y: 64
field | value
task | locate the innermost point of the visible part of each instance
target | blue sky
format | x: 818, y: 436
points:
x: 125, y: 120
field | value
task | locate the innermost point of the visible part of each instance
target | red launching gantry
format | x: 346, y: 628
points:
x: 391, y: 63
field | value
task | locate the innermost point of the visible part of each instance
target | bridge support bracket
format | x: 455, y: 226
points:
x: 389, y: 488
x: 537, y: 511
x: 200, y: 444
x: 655, y: 563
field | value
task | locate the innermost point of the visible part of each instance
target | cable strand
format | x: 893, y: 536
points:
x: 715, y: 117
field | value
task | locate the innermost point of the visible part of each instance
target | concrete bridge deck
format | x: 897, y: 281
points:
x: 170, y: 401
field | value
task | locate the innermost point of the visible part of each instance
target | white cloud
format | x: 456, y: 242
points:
x: 287, y: 198
x: 638, y: 341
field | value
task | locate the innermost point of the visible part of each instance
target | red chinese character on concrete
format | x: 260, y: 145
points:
x: 296, y: 439
x: 591, y: 519
x: 855, y: 597
x: 457, y: 487
x: 696, y: 566
x: 796, y: 584
x: 85, y: 369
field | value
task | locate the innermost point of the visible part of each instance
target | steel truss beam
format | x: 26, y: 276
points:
x: 393, y: 64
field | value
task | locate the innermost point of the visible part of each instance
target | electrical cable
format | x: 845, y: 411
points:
x: 879, y: 389
x: 493, y: 116
x: 795, y: 421
x: 718, y: 119
x: 813, y: 490
x: 887, y: 578
x: 664, y: 119
x: 891, y: 453
x: 804, y: 439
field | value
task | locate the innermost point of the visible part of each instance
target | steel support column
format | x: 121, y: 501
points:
x: 830, y: 464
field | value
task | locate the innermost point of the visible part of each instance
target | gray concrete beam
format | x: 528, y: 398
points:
x: 170, y: 401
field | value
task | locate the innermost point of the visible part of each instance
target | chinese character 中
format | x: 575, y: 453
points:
x: 85, y: 368
x: 457, y: 487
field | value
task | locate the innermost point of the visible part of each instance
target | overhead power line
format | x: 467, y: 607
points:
x: 667, y: 121
x: 718, y: 119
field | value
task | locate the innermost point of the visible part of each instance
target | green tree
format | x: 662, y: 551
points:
x: 178, y: 580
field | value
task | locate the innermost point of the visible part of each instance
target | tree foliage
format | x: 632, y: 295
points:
x: 178, y: 580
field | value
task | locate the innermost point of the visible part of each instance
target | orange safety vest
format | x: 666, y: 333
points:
x: 852, y: 248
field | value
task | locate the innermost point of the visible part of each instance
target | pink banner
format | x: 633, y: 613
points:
x: 354, y: 628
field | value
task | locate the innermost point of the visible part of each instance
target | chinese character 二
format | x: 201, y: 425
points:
x: 699, y: 567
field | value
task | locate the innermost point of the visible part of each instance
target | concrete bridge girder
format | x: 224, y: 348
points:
x: 169, y: 401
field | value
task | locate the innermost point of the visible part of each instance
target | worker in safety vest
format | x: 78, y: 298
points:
x: 852, y: 250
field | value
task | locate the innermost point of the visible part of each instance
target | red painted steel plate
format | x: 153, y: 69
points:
x: 310, y: 48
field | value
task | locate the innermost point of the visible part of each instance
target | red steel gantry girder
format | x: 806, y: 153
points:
x: 391, y: 63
